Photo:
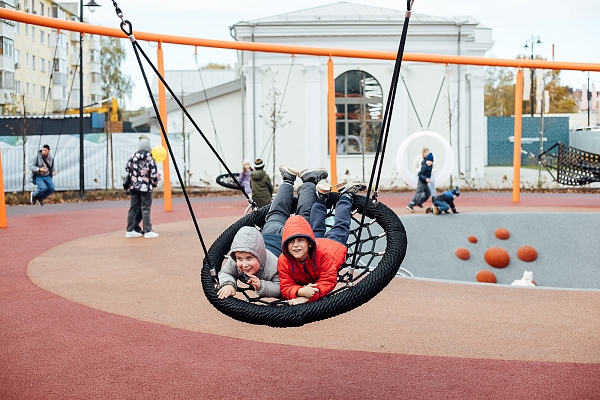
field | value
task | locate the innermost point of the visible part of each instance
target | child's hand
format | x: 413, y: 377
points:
x: 297, y: 300
x: 308, y: 291
x: 253, y: 281
x: 427, y: 180
x: 226, y: 291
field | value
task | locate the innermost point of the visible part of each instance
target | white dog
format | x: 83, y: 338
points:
x: 527, y: 280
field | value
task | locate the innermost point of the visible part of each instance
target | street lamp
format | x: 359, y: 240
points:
x: 531, y: 41
x: 92, y: 6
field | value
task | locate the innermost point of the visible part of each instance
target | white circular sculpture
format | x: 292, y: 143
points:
x: 441, y: 175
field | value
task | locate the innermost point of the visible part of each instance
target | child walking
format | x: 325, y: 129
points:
x: 423, y: 191
x: 260, y: 182
x: 253, y: 253
x: 311, y: 256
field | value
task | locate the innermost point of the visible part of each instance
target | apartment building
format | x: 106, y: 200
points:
x: 39, y: 66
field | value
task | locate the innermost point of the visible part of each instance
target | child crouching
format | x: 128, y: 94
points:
x: 444, y: 202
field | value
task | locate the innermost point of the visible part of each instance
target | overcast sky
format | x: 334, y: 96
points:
x: 571, y: 26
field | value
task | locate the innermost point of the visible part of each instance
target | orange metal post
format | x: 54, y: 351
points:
x: 3, y: 220
x: 162, y: 108
x: 331, y: 119
x: 518, y: 130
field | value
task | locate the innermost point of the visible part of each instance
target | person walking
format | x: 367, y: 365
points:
x: 422, y: 193
x: 144, y: 178
x: 42, y: 171
x: 262, y: 189
x: 244, y: 178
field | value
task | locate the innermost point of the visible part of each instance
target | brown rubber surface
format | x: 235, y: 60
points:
x: 87, y: 313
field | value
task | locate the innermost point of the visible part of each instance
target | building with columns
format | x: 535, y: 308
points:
x: 238, y: 117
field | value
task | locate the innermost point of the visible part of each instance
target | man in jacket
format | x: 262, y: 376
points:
x: 42, y: 170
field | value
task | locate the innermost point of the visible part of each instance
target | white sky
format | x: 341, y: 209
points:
x: 572, y: 26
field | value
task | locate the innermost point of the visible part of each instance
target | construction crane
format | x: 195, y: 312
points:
x: 109, y: 106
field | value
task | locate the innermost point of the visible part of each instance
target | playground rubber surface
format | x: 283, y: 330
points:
x: 88, y: 313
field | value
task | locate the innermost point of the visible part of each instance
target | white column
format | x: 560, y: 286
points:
x: 254, y: 124
x: 478, y: 130
x: 314, y: 155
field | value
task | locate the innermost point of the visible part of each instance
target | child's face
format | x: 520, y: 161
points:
x: 247, y: 263
x: 298, y: 248
x: 246, y: 166
x: 429, y: 163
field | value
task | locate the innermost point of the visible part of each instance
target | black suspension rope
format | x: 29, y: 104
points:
x: 192, y: 121
x: 411, y: 101
x: 384, y: 132
x: 49, y: 86
x: 209, y: 110
x: 66, y: 107
x: 137, y: 48
x: 436, y: 101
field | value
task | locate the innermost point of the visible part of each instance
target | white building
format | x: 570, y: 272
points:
x: 241, y: 108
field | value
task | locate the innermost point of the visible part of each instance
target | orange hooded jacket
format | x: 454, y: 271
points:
x: 324, y: 260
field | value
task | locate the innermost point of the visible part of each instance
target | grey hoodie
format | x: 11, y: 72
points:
x: 249, y: 239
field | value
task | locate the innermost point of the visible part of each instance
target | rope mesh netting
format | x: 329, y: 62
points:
x: 573, y: 166
x: 381, y: 251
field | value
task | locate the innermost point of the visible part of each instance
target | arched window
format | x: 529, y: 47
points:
x: 359, y: 112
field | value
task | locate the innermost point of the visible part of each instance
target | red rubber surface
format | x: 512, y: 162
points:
x: 52, y: 348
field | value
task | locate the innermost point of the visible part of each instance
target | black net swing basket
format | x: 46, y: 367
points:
x: 382, y: 248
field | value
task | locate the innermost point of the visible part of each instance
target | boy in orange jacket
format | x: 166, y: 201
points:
x: 311, y: 255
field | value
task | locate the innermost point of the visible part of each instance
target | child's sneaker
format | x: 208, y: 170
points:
x: 151, y: 235
x: 314, y: 174
x: 323, y: 188
x: 410, y: 208
x: 287, y: 173
x: 429, y: 210
x: 352, y: 187
x: 436, y: 210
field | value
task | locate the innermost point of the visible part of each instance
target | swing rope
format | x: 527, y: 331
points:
x: 208, y: 106
x: 127, y: 28
x: 49, y: 86
x: 383, y: 135
x: 67, y: 107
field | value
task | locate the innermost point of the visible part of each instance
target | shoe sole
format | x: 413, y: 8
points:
x: 410, y: 209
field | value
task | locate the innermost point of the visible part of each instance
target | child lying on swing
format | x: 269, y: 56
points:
x: 253, y: 253
x: 311, y: 256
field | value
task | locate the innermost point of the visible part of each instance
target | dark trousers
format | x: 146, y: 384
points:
x: 139, y: 210
x: 341, y: 226
x: 281, y: 207
x: 422, y: 194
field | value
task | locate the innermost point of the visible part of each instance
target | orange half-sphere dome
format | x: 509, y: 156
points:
x: 463, y: 253
x: 527, y: 254
x: 502, y: 233
x: 485, y: 276
x: 497, y: 257
x: 472, y: 239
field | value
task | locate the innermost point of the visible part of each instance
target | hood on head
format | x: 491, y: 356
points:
x: 297, y: 226
x: 249, y: 239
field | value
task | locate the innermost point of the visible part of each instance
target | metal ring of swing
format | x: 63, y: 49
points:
x: 329, y: 306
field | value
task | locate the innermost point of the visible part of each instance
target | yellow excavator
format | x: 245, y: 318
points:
x: 109, y: 106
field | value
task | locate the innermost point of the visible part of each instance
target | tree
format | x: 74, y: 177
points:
x: 499, y: 92
x: 114, y: 83
x: 216, y: 66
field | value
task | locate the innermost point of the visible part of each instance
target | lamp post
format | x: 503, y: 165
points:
x: 92, y: 5
x: 531, y: 97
